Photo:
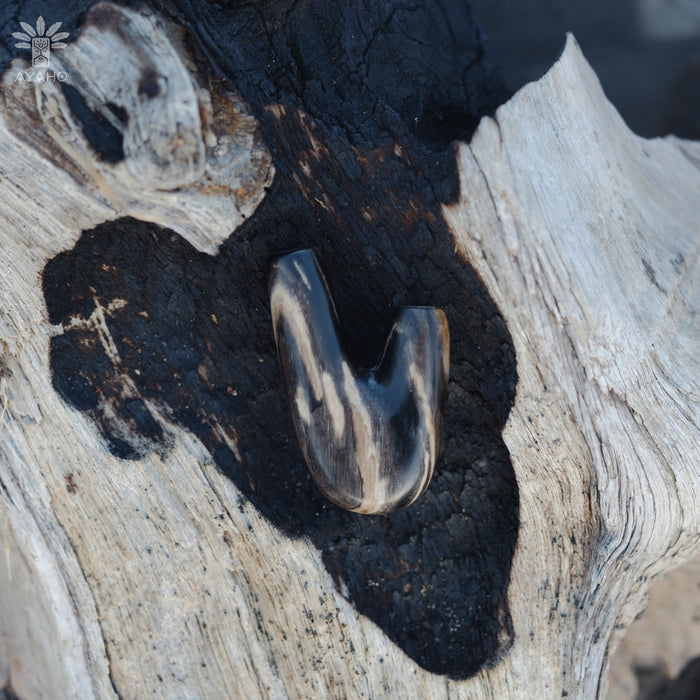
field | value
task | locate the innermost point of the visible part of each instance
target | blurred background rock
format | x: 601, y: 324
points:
x: 645, y: 52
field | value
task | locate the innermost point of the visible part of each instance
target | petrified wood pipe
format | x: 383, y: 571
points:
x: 369, y: 437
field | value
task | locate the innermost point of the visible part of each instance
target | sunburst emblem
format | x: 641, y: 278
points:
x: 40, y: 41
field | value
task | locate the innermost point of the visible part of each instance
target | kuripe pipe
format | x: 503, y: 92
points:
x: 370, y: 437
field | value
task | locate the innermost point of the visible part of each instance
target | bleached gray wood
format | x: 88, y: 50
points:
x: 152, y: 578
x: 588, y: 238
x: 194, y: 160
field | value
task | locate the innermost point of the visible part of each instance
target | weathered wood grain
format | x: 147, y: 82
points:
x: 129, y: 112
x: 588, y: 238
x: 169, y: 574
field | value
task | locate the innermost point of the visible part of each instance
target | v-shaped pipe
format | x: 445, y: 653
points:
x: 370, y: 437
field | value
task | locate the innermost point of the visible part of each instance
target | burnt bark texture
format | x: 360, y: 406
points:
x: 358, y: 104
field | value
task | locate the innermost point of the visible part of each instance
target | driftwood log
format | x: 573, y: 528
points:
x: 161, y: 535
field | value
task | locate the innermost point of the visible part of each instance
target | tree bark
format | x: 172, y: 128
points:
x: 162, y: 536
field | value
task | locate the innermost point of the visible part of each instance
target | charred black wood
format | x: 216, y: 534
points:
x: 358, y: 103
